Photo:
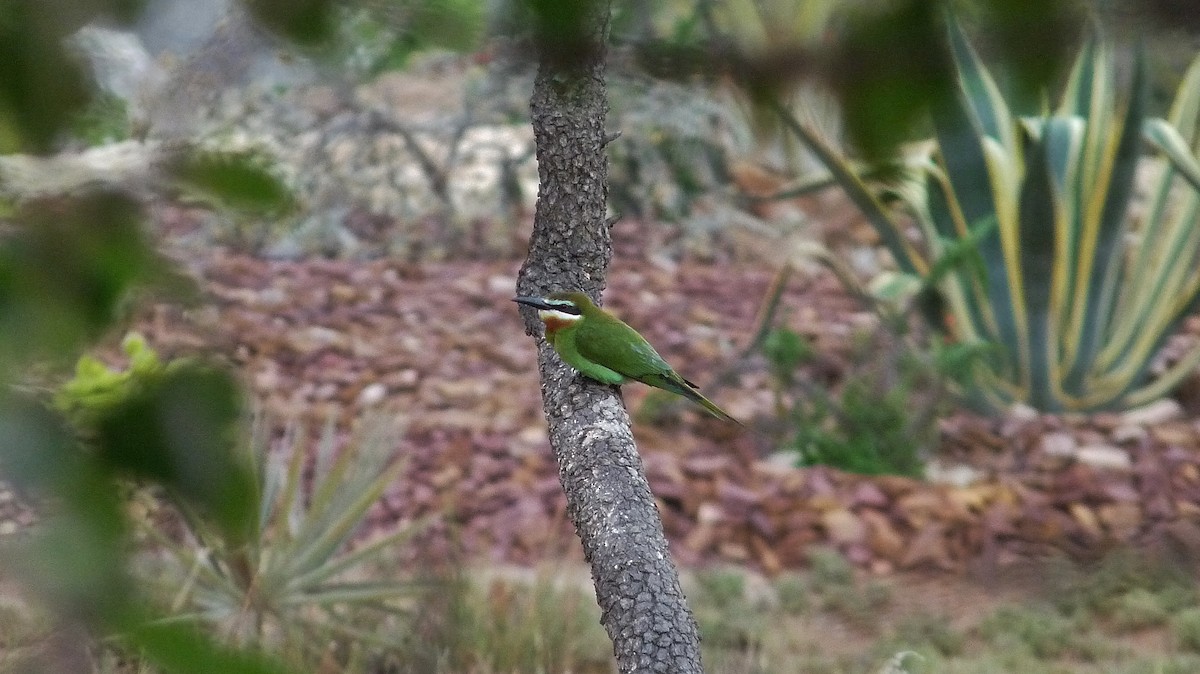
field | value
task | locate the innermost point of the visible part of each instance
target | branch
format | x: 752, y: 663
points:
x: 608, y: 497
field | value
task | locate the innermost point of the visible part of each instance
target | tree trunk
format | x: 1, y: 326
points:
x: 608, y: 497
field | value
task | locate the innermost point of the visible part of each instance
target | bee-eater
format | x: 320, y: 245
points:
x: 603, y: 347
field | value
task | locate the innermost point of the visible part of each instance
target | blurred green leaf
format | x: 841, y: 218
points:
x: 240, y: 181
x: 181, y: 649
x: 179, y: 432
x: 306, y: 22
x: 60, y: 18
x: 64, y: 271
x: 42, y: 85
x: 37, y: 449
x: 96, y: 388
x: 76, y: 558
x: 41, y: 88
x: 1034, y: 39
x: 452, y: 24
x: 564, y: 31
x: 889, y: 66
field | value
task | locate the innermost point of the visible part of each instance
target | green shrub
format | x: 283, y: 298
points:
x: 727, y: 618
x: 1138, y: 609
x: 474, y: 622
x: 1043, y: 633
x: 834, y: 588
x: 933, y: 630
x: 882, y: 419
x: 829, y: 569
x: 1123, y: 577
x: 1185, y: 627
x: 795, y: 594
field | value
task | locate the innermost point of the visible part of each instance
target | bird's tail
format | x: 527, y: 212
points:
x: 688, y: 390
x: 709, y: 405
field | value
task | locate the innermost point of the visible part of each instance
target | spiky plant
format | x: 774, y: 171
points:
x: 301, y: 582
x: 1050, y: 262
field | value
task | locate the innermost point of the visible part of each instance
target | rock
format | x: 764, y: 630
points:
x: 709, y: 513
x: 766, y: 556
x: 706, y: 466
x: 501, y: 285
x: 843, y: 526
x: 870, y: 495
x: 734, y: 551
x: 372, y: 394
x: 974, y: 498
x: 922, y: 507
x: 1104, y: 456
x: 1086, y: 517
x: 737, y: 501
x: 1021, y: 413
x: 784, y: 461
x: 1058, y: 444
x: 1185, y: 537
x: 1129, y: 433
x: 1121, y: 491
x: 1122, y: 520
x: 1177, y: 433
x: 882, y: 536
x: 1106, y: 421
x: 1157, y: 412
x: 405, y: 380
x: 928, y: 547
x: 958, y: 475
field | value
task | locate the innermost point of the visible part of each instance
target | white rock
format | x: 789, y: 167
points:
x: 1104, y: 456
x: 1020, y: 412
x: 1059, y: 444
x: 709, y: 513
x: 782, y: 460
x: 1129, y: 433
x: 501, y: 285
x: 958, y: 475
x: 1157, y: 412
x: 372, y: 394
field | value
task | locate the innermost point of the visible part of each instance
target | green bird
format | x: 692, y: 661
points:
x: 603, y: 347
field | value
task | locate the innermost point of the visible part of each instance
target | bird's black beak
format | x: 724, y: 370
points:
x: 535, y: 302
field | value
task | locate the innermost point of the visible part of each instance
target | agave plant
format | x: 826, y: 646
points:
x: 1079, y: 289
x: 299, y: 583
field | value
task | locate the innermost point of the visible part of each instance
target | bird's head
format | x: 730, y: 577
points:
x: 558, y: 310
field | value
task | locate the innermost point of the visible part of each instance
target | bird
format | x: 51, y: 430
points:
x: 604, y: 348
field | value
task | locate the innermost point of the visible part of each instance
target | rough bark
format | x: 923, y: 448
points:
x: 608, y: 496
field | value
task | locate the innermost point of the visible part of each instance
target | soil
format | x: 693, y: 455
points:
x: 439, y: 348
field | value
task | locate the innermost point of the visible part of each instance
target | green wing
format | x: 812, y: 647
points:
x: 619, y: 347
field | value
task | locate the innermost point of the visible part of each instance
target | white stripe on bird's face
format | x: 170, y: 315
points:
x: 555, y: 315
